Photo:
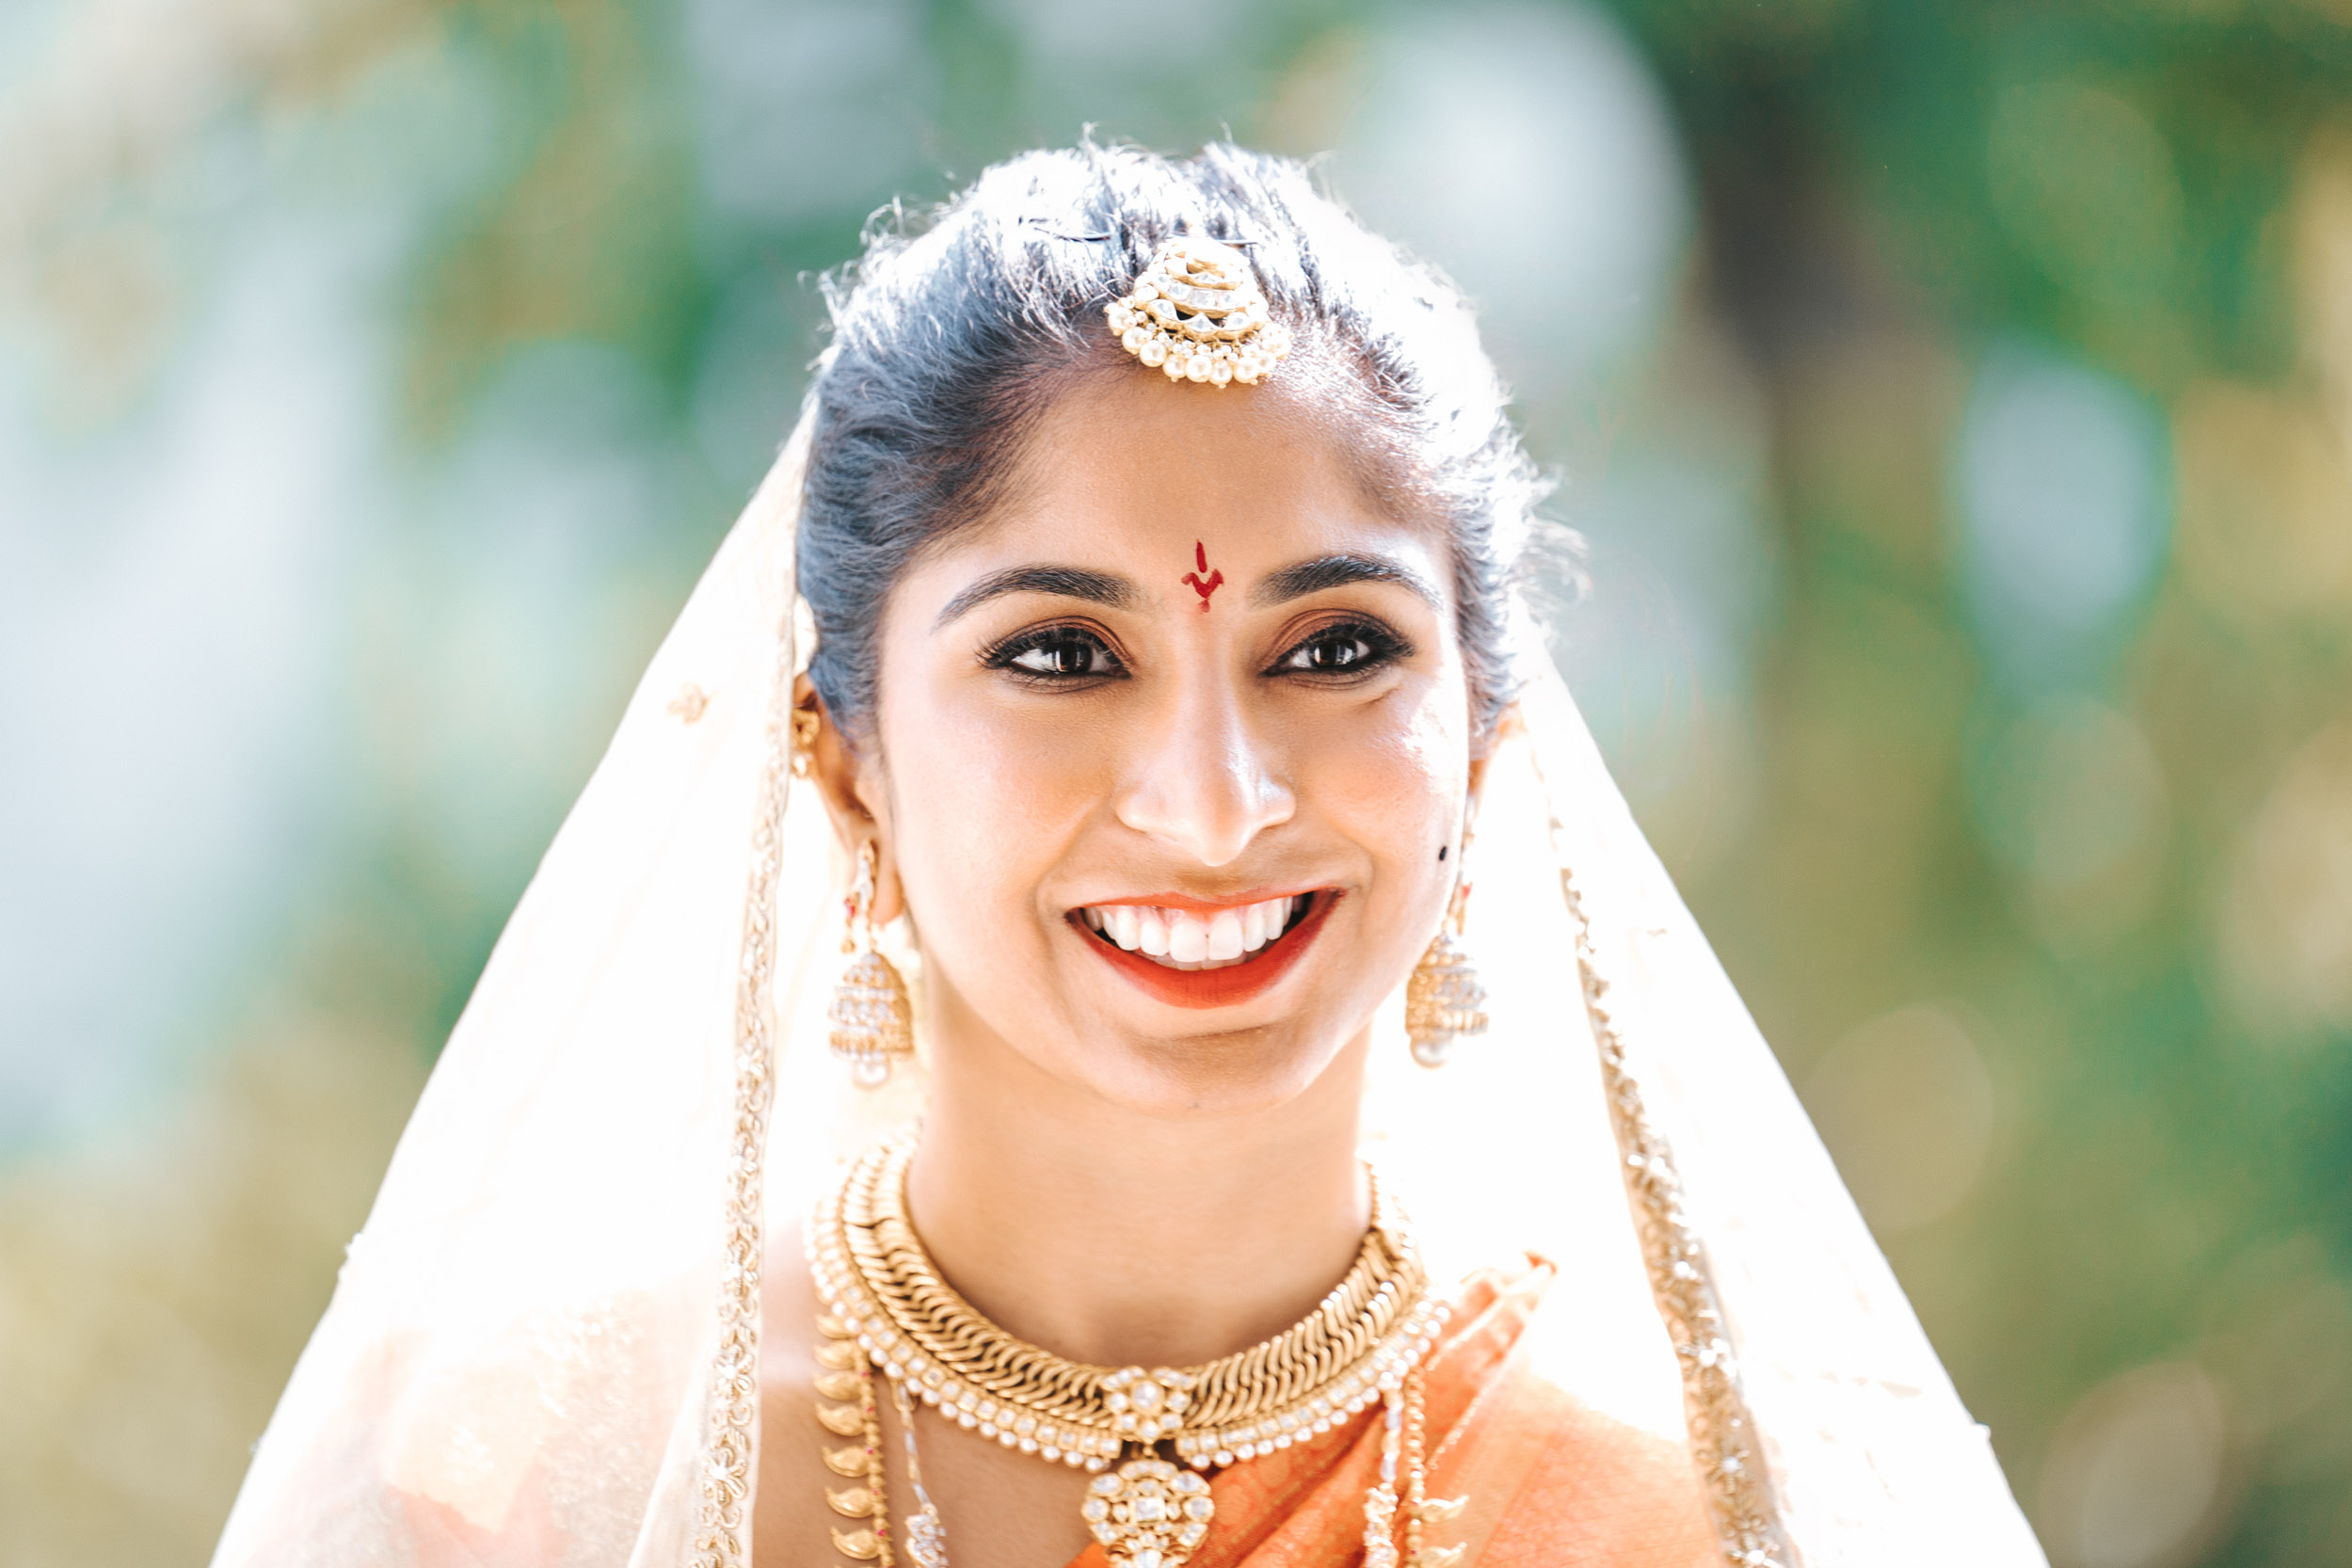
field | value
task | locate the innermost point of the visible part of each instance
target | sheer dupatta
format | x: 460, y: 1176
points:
x: 543, y: 1347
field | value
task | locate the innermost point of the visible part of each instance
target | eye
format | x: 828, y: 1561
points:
x: 1343, y: 648
x: 1057, y: 653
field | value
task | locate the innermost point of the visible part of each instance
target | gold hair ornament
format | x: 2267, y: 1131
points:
x: 1197, y: 313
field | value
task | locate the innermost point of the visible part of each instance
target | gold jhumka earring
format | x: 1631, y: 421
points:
x: 1443, y: 1000
x: 874, y: 1021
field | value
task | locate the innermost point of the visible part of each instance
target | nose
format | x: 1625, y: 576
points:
x: 1202, y: 784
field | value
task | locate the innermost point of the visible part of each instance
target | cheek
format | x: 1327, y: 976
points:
x: 981, y: 809
x: 1396, y: 788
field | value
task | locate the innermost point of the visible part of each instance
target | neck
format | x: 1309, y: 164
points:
x: 1115, y: 1238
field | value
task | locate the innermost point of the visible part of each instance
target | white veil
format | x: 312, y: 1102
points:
x: 543, y: 1347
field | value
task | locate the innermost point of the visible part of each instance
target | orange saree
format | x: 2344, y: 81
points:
x: 1550, y: 1482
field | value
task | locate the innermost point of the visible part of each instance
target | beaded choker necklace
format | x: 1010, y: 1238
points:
x: 887, y: 1310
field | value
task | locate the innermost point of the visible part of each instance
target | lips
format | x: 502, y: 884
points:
x: 1253, y: 944
x: 1185, y: 939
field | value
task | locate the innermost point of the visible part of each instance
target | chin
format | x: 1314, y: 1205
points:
x: 1217, y: 1073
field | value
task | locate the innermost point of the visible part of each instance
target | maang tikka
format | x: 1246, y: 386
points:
x: 873, y: 1020
x: 1443, y: 1000
x: 1196, y: 312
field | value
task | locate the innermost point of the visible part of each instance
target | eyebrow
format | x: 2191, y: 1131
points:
x: 1337, y: 572
x: 1096, y: 588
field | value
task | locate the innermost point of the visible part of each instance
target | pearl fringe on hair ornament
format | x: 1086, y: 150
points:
x: 1197, y: 313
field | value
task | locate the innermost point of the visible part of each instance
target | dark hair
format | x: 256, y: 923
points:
x: 953, y: 334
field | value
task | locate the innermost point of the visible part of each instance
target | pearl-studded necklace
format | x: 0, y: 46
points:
x: 883, y: 1297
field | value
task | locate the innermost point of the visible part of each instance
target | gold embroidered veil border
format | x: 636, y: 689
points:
x: 544, y: 1345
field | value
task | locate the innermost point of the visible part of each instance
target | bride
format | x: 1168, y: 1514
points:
x: 945, y: 1098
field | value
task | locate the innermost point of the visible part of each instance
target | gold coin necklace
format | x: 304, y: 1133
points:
x: 1148, y: 1435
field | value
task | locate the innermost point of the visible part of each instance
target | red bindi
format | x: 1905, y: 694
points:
x: 1202, y: 581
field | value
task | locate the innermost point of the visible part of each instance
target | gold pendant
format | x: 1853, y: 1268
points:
x: 858, y: 1545
x: 1148, y: 1513
x: 1146, y: 1406
x: 855, y: 1503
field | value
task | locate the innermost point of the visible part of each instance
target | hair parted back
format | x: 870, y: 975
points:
x: 954, y: 333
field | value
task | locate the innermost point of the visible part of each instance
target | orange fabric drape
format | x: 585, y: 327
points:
x: 1550, y: 1482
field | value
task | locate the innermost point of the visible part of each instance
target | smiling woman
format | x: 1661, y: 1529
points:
x: 1164, y: 657
x: 1309, y: 740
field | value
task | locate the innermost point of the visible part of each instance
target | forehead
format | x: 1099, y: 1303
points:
x: 1135, y: 468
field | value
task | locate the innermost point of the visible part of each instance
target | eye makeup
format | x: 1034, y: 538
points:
x: 1344, y: 649
x: 1057, y: 653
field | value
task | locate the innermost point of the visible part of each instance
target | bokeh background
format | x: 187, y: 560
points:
x: 1955, y: 394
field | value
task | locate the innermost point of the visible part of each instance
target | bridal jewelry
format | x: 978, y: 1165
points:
x: 1358, y: 1348
x: 1443, y: 999
x: 805, y: 728
x: 1420, y: 1509
x: 1197, y: 313
x: 926, y: 1537
x: 874, y: 1022
x: 846, y: 1376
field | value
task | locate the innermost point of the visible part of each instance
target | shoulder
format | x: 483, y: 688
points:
x: 1595, y: 1489
x: 1574, y: 1450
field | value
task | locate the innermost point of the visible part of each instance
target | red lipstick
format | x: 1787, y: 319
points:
x: 1220, y: 987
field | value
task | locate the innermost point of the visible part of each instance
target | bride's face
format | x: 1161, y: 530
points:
x: 1169, y: 748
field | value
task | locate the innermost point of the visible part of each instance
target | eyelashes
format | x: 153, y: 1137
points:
x: 1343, y: 651
x: 1336, y: 652
x: 1055, y: 655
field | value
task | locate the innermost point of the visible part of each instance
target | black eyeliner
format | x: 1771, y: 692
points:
x: 1384, y: 646
x: 1000, y: 654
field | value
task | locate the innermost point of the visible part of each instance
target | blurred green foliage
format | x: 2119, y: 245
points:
x: 2088, y: 922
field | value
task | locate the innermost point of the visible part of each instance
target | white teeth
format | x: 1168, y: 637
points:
x: 1188, y: 937
x: 1224, y: 935
x: 1189, y: 941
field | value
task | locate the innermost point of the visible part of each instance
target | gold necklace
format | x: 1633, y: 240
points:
x: 1358, y: 1348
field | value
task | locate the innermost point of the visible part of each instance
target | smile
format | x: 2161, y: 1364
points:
x: 1181, y: 940
x: 1193, y: 954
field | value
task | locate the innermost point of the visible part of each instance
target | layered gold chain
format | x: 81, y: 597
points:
x: 877, y: 1281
